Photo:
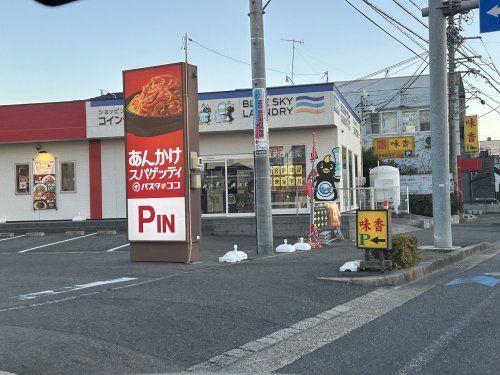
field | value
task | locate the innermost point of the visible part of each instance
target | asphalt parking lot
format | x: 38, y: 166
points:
x: 76, y: 304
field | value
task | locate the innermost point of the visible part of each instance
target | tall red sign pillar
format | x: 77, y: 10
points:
x: 162, y: 163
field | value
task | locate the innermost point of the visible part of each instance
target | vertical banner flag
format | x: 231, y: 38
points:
x: 155, y: 155
x: 260, y: 126
x: 44, y: 182
x: 471, y: 134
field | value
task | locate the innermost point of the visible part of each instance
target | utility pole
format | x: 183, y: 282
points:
x: 293, y: 41
x: 439, y: 126
x: 454, y: 110
x: 185, y: 47
x: 263, y: 208
x: 437, y: 12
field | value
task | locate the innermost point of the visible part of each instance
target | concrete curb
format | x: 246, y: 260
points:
x: 414, y: 273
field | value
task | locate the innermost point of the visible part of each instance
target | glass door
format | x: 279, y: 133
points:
x: 213, y: 188
x: 240, y: 185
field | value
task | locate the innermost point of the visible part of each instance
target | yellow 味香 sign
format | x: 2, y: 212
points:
x: 394, y: 147
x: 471, y: 134
x: 373, y: 229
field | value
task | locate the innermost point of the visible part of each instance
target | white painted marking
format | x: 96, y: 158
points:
x: 493, y: 274
x: 116, y: 248
x: 11, y: 238
x: 131, y: 285
x: 67, y: 289
x: 55, y: 243
x: 421, y: 359
x: 275, y: 351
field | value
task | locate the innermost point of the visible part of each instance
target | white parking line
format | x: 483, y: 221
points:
x: 55, y: 243
x: 116, y: 248
x: 66, y: 289
x: 11, y: 238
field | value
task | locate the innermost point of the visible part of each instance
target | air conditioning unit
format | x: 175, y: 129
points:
x: 427, y: 142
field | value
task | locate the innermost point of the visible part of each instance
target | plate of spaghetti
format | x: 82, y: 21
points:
x: 156, y: 109
x: 160, y: 97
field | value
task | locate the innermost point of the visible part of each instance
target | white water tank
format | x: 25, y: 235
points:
x: 385, y: 181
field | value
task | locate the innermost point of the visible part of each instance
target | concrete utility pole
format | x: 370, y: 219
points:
x: 439, y: 126
x: 454, y: 110
x: 263, y: 208
x: 437, y: 12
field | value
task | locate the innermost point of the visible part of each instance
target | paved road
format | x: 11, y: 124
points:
x: 75, y: 307
x: 450, y: 329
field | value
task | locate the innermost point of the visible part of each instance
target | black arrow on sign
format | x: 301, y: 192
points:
x: 377, y: 240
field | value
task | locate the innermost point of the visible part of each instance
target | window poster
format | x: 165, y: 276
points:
x: 44, y: 182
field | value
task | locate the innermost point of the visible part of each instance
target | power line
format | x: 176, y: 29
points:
x: 372, y: 92
x: 410, y: 13
x: 416, y: 5
x: 397, y: 24
x: 492, y: 110
x: 381, y: 28
x: 404, y: 62
x: 247, y: 63
x: 407, y: 85
x: 489, y: 56
x: 477, y: 90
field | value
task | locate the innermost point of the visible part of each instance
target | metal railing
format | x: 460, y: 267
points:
x: 364, y: 198
x: 370, y: 198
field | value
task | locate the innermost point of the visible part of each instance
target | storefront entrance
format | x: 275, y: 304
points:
x: 228, y: 183
x: 228, y: 186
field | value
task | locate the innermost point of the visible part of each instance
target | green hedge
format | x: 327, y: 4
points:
x: 404, y: 252
x: 422, y: 204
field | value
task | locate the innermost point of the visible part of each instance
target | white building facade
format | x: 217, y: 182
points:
x: 85, y: 144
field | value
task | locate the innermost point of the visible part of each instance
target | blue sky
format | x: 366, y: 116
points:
x: 70, y: 52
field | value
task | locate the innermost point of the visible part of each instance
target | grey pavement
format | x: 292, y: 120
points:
x: 170, y: 317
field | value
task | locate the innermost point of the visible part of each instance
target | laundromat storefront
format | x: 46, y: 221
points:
x: 228, y: 182
x: 294, y: 114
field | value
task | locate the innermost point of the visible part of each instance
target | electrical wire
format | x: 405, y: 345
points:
x: 401, y: 63
x: 410, y: 13
x: 406, y: 86
x: 416, y: 5
x: 398, y: 25
x: 381, y: 28
x: 492, y: 110
x: 489, y: 56
x: 347, y: 93
x: 247, y: 63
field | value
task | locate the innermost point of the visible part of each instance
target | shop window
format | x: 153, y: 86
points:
x: 22, y: 178
x: 213, y: 188
x: 288, y: 176
x: 240, y: 186
x: 68, y: 184
x: 410, y: 121
x: 425, y: 122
